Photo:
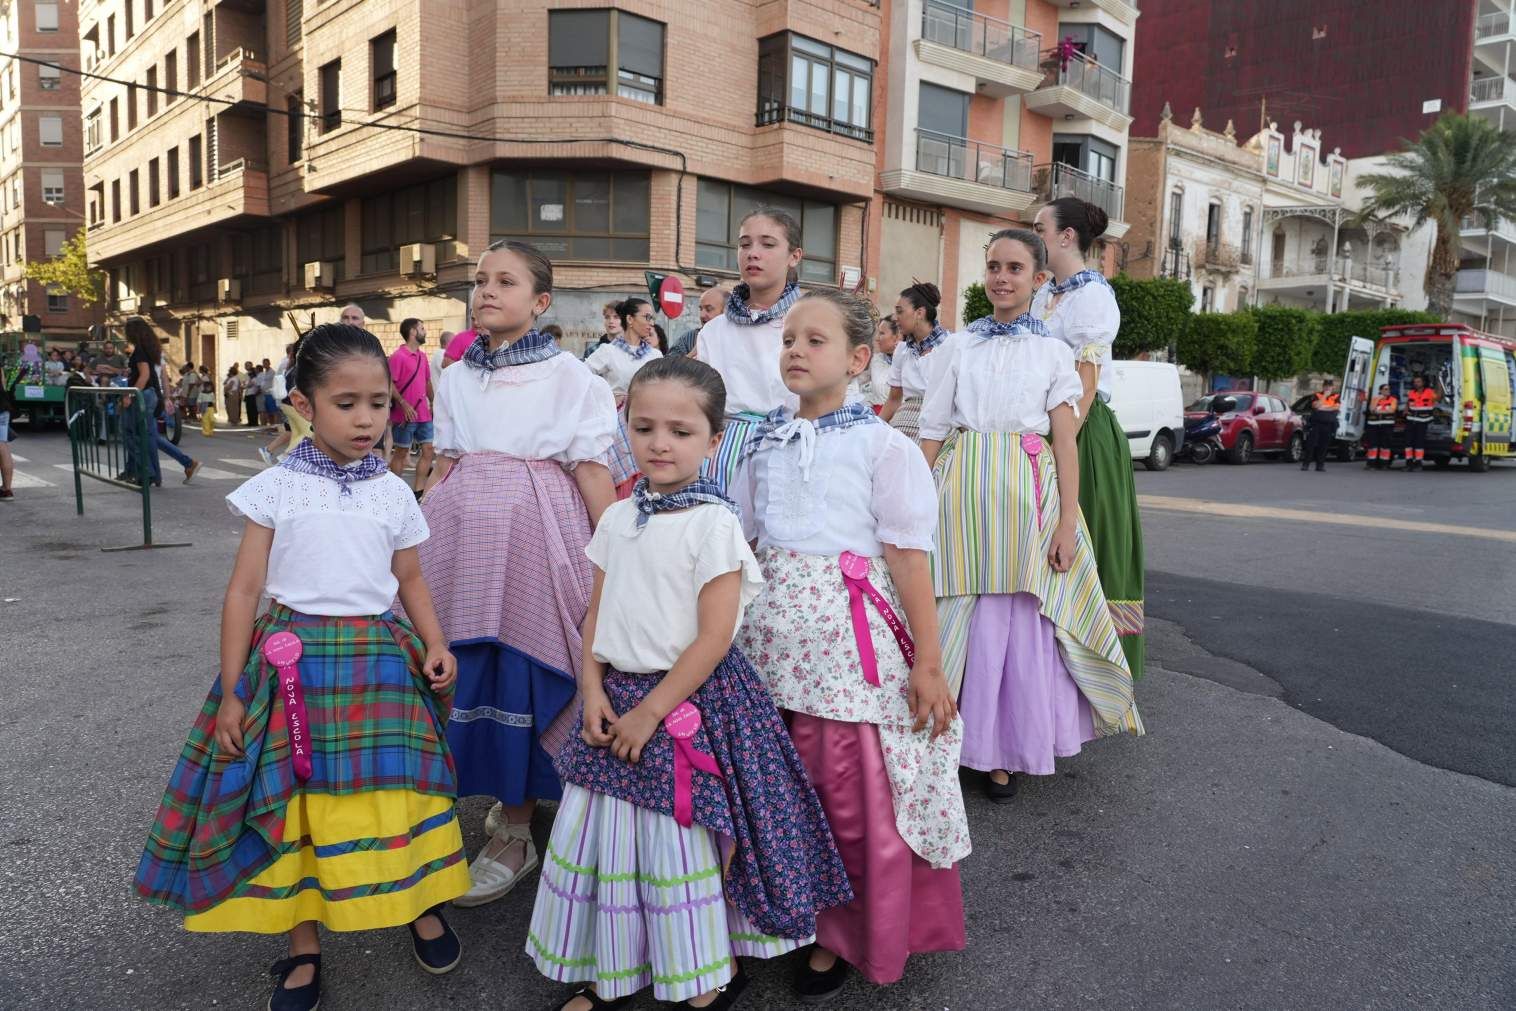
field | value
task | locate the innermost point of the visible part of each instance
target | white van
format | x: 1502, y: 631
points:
x: 1149, y: 405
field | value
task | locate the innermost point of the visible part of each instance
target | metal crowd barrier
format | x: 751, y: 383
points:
x: 111, y: 436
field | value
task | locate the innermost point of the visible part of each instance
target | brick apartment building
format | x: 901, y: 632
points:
x: 993, y: 108
x: 617, y: 137
x: 41, y: 165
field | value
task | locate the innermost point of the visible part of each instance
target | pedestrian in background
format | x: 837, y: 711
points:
x: 916, y: 315
x: 231, y: 393
x: 411, y: 415
x: 1420, y: 407
x: 251, y: 399
x: 712, y: 303
x: 249, y: 837
x: 1377, y: 429
x: 7, y: 436
x: 144, y: 364
x: 1321, y: 426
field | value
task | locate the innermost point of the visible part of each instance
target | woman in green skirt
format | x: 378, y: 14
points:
x: 1080, y: 308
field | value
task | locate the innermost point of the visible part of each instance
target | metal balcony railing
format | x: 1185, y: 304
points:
x: 1060, y: 180
x: 1361, y: 271
x: 970, y: 32
x: 1090, y: 78
x: 1485, y: 282
x: 987, y: 164
x: 1175, y: 264
x: 1492, y: 25
x: 1487, y: 89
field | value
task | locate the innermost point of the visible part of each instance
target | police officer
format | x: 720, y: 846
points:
x: 1321, y: 427
x: 1378, y: 428
x: 1419, y: 404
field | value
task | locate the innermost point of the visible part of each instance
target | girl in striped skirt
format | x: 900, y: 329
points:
x: 1025, y: 627
x: 523, y: 439
x: 688, y: 833
x: 742, y: 344
x: 842, y: 509
x: 317, y: 786
x: 910, y: 371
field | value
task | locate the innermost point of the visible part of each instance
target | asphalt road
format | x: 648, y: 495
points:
x: 1320, y: 816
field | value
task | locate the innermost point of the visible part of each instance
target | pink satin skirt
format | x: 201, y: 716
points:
x: 903, y: 905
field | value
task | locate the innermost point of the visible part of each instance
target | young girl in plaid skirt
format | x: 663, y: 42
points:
x: 523, y: 437
x: 317, y: 786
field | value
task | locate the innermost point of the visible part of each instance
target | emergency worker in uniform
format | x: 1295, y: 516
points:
x: 1321, y: 427
x: 1378, y: 428
x: 1419, y: 404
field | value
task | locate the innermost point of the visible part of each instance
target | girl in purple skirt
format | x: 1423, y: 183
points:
x: 688, y: 833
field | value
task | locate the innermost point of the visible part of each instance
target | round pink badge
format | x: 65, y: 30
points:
x: 683, y: 722
x: 854, y: 566
x: 283, y: 649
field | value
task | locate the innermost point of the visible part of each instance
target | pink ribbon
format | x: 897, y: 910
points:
x: 1031, y: 445
x: 283, y: 650
x: 682, y: 724
x: 855, y: 574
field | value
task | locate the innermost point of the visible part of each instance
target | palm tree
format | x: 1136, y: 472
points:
x: 1461, y: 166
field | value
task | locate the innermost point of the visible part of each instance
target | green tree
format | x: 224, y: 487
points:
x: 1338, y: 328
x: 1154, y: 313
x: 69, y: 272
x: 1460, y: 166
x: 1286, y: 338
x: 976, y: 304
x: 1219, y: 342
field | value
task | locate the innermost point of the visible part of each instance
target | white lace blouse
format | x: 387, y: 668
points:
x: 1086, y: 319
x: 617, y: 367
x: 844, y: 489
x: 999, y: 384
x: 550, y: 410
x: 332, y: 553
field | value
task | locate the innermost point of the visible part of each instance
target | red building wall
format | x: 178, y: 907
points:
x: 1357, y: 69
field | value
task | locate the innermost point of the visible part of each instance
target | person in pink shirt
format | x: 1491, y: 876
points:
x: 457, y: 346
x: 411, y: 412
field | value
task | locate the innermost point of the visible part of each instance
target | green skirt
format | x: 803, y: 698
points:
x: 1108, y: 499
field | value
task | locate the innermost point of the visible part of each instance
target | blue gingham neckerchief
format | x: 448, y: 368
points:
x: 643, y: 350
x: 533, y: 346
x: 1078, y: 280
x: 988, y: 327
x: 920, y: 348
x: 307, y: 459
x: 778, y: 429
x: 700, y: 490
x: 737, y: 310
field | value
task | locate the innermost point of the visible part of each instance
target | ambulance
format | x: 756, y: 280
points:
x: 1474, y: 374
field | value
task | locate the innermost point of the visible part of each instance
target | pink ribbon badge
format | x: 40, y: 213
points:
x: 283, y: 650
x: 855, y: 573
x: 682, y: 724
x: 1031, y: 445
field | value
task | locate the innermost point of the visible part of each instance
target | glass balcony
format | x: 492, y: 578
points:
x: 971, y: 161
x: 1060, y: 180
x: 970, y: 32
x: 1090, y: 78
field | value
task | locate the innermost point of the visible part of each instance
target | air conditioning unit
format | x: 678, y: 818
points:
x: 450, y: 250
x: 127, y: 304
x: 229, y: 289
x: 320, y: 274
x: 418, y: 259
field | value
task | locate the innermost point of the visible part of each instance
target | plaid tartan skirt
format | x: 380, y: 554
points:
x: 370, y: 840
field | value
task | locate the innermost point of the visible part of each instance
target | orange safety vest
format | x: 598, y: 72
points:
x: 1383, y: 411
x: 1423, y: 399
x: 1325, y: 402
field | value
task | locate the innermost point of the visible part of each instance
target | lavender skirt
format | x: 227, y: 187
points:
x: 1020, y: 707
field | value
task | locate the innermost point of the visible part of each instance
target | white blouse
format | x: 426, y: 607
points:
x: 1086, y: 319
x: 550, y: 410
x: 649, y: 603
x: 842, y: 489
x: 332, y: 553
x: 913, y: 373
x: 617, y: 367
x: 748, y: 359
x: 878, y: 387
x: 1000, y: 384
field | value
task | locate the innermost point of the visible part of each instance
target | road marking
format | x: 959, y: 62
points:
x: 250, y: 464
x: 1208, y: 507
x: 208, y: 473
x: 23, y: 480
x: 19, y: 458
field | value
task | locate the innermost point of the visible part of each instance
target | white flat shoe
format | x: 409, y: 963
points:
x: 492, y: 879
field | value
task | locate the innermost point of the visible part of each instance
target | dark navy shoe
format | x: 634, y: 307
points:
x: 814, y: 987
x: 1000, y: 793
x: 726, y: 996
x: 596, y: 1003
x: 441, y: 954
x: 300, y: 998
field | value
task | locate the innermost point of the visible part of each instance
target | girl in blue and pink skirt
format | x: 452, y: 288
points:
x: 688, y: 834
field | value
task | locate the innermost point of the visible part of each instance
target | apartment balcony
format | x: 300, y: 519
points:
x: 967, y: 174
x: 241, y: 78
x: 1475, y: 291
x: 1060, y: 180
x: 1125, y: 11
x: 1217, y: 257
x: 1079, y: 88
x: 1491, y: 33
x: 1493, y: 98
x: 1477, y: 237
x: 1305, y: 276
x: 1001, y: 57
x: 1175, y: 264
x: 236, y: 196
